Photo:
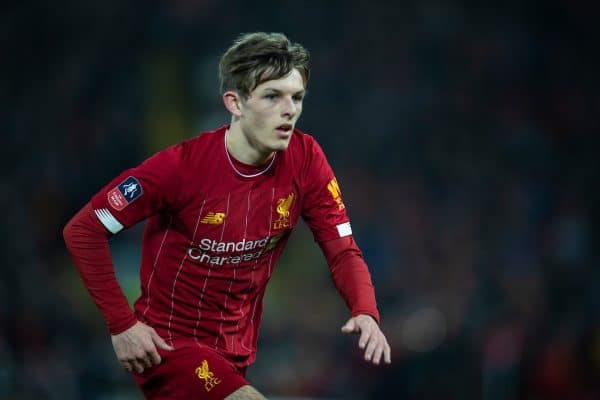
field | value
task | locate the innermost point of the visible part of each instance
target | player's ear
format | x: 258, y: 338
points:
x: 232, y: 101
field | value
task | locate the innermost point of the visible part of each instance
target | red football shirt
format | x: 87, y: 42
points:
x: 213, y: 236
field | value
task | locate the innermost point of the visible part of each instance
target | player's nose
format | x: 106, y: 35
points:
x: 289, y: 108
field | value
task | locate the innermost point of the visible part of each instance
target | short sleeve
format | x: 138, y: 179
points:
x: 140, y: 192
x: 323, y: 209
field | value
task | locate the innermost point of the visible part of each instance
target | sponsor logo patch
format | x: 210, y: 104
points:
x: 216, y: 253
x: 210, y: 381
x: 213, y: 218
x: 124, y: 193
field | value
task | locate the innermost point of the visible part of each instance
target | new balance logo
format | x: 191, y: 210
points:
x: 213, y: 218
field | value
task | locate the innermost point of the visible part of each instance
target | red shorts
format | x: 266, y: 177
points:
x: 190, y: 372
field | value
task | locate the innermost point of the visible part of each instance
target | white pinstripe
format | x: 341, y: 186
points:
x: 154, y: 266
x: 230, y: 283
x: 179, y: 271
x: 208, y: 276
x: 256, y: 299
x: 245, y: 234
x: 200, y: 312
x: 270, y: 258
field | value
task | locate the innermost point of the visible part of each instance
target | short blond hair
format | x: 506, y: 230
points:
x: 258, y: 57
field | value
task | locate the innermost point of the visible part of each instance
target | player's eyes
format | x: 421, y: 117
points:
x: 297, y: 98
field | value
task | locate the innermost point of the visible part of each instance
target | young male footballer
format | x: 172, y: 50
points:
x: 220, y: 208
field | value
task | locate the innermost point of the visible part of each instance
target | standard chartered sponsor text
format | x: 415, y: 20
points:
x: 213, y: 252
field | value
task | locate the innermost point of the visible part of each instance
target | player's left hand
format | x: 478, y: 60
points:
x: 371, y: 338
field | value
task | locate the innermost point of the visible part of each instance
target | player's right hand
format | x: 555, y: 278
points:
x: 136, y: 348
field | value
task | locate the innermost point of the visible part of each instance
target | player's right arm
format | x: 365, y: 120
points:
x: 134, y: 342
x: 131, y: 197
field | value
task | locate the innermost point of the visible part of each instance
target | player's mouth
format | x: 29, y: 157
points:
x: 284, y: 130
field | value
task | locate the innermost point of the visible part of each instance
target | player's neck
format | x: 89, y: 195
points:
x: 242, y: 150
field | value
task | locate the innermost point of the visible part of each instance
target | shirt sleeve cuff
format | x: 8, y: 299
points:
x: 122, y: 326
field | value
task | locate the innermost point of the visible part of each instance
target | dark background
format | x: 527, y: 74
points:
x: 465, y: 140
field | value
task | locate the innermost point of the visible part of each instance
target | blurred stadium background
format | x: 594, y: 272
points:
x: 465, y: 140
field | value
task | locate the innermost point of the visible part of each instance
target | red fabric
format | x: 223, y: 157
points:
x: 213, y: 237
x: 87, y: 241
x: 212, y: 240
x: 190, y: 372
x: 351, y: 275
x: 179, y: 178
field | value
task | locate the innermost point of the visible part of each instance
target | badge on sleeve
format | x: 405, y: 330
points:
x: 334, y: 189
x: 124, y: 193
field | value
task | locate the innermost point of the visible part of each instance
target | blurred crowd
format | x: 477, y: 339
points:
x: 465, y: 140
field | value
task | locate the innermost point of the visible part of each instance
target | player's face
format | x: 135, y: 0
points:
x: 271, y: 111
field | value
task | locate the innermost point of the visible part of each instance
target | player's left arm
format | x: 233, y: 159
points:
x: 325, y: 213
x: 371, y: 338
x: 352, y: 279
